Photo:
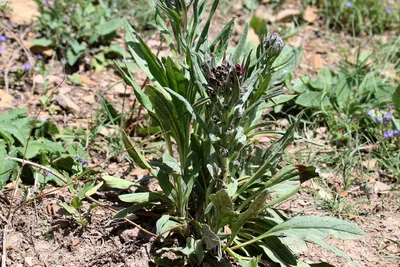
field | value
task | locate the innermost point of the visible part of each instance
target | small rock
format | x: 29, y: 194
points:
x: 66, y: 103
x: 129, y: 235
x: 29, y: 261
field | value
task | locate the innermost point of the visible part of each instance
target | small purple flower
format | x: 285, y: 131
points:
x: 82, y: 161
x: 396, y: 132
x: 378, y: 119
x: 3, y: 38
x: 48, y: 174
x: 388, y: 116
x: 39, y: 56
x: 388, y: 10
x: 47, y: 2
x: 388, y: 134
x: 27, y: 66
x: 1, y: 50
x: 370, y: 113
x: 349, y: 4
x: 390, y: 106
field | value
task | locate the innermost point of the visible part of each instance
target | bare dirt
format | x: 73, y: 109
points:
x: 42, y: 234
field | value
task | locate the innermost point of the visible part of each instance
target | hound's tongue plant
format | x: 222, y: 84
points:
x: 219, y: 189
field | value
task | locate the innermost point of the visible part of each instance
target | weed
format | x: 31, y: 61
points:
x: 219, y: 187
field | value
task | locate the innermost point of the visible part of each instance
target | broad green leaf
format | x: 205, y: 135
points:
x: 324, y: 80
x: 6, y: 166
x: 286, y: 63
x: 109, y: 26
x: 68, y: 208
x: 171, y: 163
x: 223, y: 209
x: 42, y: 42
x: 142, y: 197
x: 316, y: 226
x: 118, y: 183
x: 209, y: 238
x: 313, y: 99
x: 34, y: 148
x: 259, y: 26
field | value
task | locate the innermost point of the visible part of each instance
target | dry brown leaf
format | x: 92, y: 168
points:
x: 381, y: 188
x: 67, y: 103
x: 310, y: 14
x: 286, y: 14
x: 316, y: 61
x: 86, y: 80
x: 23, y: 11
x: 74, y: 242
x: 370, y: 164
x: 89, y: 99
x: 6, y: 100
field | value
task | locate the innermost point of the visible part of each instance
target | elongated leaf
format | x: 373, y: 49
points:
x: 277, y: 251
x: 222, y: 40
x: 144, y: 57
x: 93, y: 190
x: 142, y: 197
x: 240, y: 47
x: 134, y: 153
x: 163, y: 224
x: 109, y: 26
x: 118, y: 183
x: 319, y: 227
x: 204, y: 33
x: 396, y: 99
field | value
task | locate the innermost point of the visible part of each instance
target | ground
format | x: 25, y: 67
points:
x: 42, y: 234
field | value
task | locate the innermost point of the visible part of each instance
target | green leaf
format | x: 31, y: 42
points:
x: 68, y: 208
x: 42, y: 42
x: 163, y: 224
x: 118, y: 183
x: 171, y: 163
x: 144, y: 57
x: 316, y: 226
x: 396, y: 99
x: 324, y: 80
x: 240, y: 47
x: 109, y: 26
x: 277, y: 251
x: 259, y: 26
x: 142, y: 197
x: 280, y: 99
x: 6, y: 166
x: 313, y: 99
x: 222, y: 40
x: 209, y: 238
x: 223, y: 209
x: 34, y: 148
x: 135, y: 154
x: 93, y: 190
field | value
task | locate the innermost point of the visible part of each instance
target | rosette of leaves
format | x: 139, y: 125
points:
x: 219, y: 188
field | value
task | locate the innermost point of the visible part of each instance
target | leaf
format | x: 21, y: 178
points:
x: 312, y: 99
x: 93, y: 190
x: 135, y: 154
x: 109, y: 26
x: 280, y: 99
x: 209, y: 238
x: 277, y: 251
x: 324, y: 80
x: 223, y: 209
x: 144, y: 57
x: 118, y: 183
x: 171, y: 163
x: 316, y: 226
x: 396, y: 99
x: 34, y: 148
x: 142, y: 197
x: 42, y: 42
x: 259, y: 26
x: 6, y: 166
x: 163, y: 224
x: 68, y: 208
x: 222, y: 40
x: 240, y: 47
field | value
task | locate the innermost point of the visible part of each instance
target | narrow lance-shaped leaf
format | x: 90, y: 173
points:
x: 240, y: 47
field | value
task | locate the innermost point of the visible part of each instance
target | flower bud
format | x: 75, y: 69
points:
x: 273, y: 44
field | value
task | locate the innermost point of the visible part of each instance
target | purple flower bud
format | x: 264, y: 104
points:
x: 47, y: 2
x: 378, y: 119
x: 3, y: 38
x: 396, y: 132
x: 388, y: 116
x: 370, y: 113
x: 48, y: 174
x: 1, y: 50
x: 349, y: 4
x: 39, y: 56
x: 390, y: 107
x: 388, y: 10
x: 27, y: 66
x: 275, y: 42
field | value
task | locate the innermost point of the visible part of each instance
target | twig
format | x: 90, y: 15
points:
x: 39, y: 166
x: 115, y: 211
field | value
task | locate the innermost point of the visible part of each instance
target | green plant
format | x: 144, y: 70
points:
x: 218, y: 187
x: 77, y: 28
x: 51, y: 160
x: 359, y: 16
